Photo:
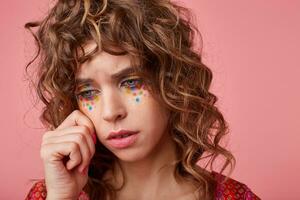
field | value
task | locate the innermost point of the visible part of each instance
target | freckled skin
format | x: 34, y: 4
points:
x: 88, y: 103
x: 118, y: 108
x: 135, y: 93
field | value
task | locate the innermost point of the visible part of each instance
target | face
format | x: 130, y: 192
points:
x: 111, y: 94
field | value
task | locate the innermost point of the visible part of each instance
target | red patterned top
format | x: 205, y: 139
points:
x: 229, y: 190
x: 232, y: 189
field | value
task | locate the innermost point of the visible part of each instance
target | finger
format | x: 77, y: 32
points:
x: 78, y: 138
x: 77, y: 118
x: 80, y: 119
x: 71, y: 130
x: 57, y: 151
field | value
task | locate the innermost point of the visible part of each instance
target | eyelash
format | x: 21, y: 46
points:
x: 84, y: 95
x: 136, y: 80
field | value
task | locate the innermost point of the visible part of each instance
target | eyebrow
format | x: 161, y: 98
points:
x: 116, y: 76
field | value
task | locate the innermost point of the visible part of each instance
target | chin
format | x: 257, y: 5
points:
x: 130, y: 155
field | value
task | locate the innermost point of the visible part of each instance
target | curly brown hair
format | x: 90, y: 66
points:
x: 161, y: 34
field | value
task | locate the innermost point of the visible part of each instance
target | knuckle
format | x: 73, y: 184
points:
x: 43, y: 142
x: 73, y: 147
x: 84, y: 129
x: 79, y: 138
x: 44, y: 153
x: 46, y: 135
x: 76, y: 113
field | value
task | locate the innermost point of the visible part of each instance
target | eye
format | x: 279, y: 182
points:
x: 87, y: 95
x: 132, y: 83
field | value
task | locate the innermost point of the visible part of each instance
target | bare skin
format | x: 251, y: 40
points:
x: 153, y: 183
x: 144, y: 162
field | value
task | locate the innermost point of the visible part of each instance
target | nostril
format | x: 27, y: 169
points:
x: 114, y: 115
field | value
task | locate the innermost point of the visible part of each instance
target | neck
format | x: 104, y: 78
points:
x: 150, y: 175
x: 156, y: 165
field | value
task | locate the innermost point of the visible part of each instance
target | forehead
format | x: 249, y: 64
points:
x: 103, y: 63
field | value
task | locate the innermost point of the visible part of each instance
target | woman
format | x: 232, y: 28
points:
x: 127, y: 105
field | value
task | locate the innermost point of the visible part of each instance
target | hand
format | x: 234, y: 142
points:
x: 66, y: 153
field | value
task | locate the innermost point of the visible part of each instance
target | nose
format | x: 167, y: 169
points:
x: 113, y: 107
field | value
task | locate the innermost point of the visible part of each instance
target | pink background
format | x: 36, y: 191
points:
x: 253, y: 49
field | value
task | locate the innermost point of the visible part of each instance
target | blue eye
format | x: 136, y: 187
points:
x: 132, y: 83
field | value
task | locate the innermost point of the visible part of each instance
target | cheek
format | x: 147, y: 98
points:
x: 88, y: 105
x: 136, y: 95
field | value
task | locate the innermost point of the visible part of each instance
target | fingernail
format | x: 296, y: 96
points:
x: 94, y: 138
x: 84, y: 171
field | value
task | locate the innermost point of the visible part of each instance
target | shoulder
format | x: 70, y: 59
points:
x: 39, y: 192
x: 232, y: 189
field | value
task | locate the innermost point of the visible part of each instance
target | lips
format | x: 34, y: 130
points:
x: 120, y: 134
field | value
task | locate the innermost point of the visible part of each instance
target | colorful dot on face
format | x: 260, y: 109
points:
x: 88, y: 102
x: 96, y: 99
x: 138, y: 91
